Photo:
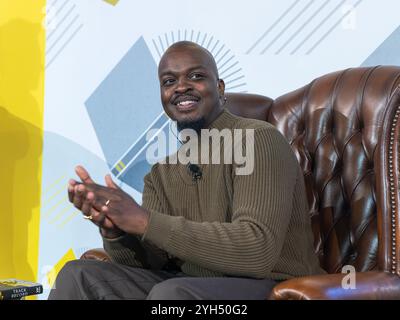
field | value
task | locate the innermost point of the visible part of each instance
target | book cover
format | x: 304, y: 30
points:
x: 12, y: 289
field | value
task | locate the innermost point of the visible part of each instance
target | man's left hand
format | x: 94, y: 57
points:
x: 120, y: 208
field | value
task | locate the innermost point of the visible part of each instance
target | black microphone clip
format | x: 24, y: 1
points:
x: 195, y: 171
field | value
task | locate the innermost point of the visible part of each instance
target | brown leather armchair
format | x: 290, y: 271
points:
x: 344, y: 130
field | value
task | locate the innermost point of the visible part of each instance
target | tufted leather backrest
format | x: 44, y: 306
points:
x: 340, y: 127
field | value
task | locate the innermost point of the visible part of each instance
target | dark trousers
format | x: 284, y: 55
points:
x: 90, y: 279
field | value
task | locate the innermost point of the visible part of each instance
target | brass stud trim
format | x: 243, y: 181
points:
x: 392, y: 189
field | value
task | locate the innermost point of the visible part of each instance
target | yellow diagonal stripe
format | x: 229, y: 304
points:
x: 22, y: 44
x: 113, y: 2
x: 122, y: 165
x: 68, y: 219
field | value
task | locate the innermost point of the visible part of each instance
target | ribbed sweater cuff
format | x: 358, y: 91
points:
x: 114, y: 244
x: 159, y: 229
x: 119, y: 250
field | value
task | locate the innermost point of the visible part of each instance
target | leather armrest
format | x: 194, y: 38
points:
x: 368, y: 285
x: 96, y: 254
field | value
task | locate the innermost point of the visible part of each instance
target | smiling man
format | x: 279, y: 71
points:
x: 216, y: 235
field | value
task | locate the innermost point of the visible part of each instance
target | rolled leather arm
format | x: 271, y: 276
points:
x: 96, y: 254
x: 368, y: 285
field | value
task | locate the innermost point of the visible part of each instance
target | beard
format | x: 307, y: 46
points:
x: 195, y: 125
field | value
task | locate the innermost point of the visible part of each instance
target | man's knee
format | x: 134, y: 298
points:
x: 172, y: 289
x: 65, y: 286
x: 73, y: 270
x: 73, y: 267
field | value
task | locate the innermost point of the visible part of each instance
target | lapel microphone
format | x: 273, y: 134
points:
x: 195, y: 171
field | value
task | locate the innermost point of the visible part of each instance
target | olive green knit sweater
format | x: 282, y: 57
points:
x: 253, y: 225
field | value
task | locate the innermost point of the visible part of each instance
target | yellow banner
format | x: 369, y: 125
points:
x: 22, y: 45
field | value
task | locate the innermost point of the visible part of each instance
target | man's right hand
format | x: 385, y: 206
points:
x: 86, y: 202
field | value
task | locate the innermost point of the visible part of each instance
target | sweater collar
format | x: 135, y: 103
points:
x: 224, y: 120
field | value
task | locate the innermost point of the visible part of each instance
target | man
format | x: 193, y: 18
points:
x: 223, y: 236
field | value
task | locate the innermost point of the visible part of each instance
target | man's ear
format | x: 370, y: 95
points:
x: 221, y: 87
